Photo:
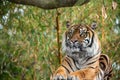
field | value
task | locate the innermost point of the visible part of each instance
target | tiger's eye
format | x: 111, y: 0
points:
x: 69, y: 35
x: 84, y: 34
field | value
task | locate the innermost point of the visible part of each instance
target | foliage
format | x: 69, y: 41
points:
x: 28, y: 46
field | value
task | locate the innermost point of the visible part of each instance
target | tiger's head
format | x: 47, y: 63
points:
x: 81, y: 40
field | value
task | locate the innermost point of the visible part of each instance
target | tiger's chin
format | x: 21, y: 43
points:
x: 77, y: 50
x: 74, y: 50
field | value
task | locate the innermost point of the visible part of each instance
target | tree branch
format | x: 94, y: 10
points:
x: 50, y: 4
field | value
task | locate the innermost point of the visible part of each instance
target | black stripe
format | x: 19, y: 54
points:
x: 92, y: 67
x: 66, y: 59
x: 91, y: 62
x: 88, y: 58
x: 105, y: 58
x: 102, y: 66
x: 101, y: 59
x: 91, y: 40
x: 66, y: 68
x: 87, y: 40
x: 74, y: 62
x: 111, y: 71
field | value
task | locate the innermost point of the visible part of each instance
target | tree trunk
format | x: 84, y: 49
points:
x: 51, y: 4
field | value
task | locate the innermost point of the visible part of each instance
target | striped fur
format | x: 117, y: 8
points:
x: 105, y: 66
x: 83, y: 60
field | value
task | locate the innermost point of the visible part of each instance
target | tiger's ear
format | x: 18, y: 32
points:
x: 94, y: 25
x: 68, y: 24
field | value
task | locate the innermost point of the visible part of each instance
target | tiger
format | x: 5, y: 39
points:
x: 83, y: 59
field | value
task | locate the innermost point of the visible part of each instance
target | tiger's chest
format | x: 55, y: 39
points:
x: 73, y: 64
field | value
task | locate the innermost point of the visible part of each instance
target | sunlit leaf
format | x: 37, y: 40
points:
x: 104, y: 14
x: 114, y: 5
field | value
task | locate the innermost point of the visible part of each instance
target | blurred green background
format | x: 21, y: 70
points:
x: 28, y: 41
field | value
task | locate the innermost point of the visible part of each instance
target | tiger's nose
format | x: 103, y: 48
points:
x: 74, y: 40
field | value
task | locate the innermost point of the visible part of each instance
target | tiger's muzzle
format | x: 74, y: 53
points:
x: 75, y: 46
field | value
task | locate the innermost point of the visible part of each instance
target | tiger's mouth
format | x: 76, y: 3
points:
x: 75, y: 47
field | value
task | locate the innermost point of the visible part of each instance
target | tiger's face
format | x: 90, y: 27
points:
x: 80, y: 39
x: 77, y: 38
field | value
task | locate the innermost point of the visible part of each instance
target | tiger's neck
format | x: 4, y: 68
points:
x: 80, y: 63
x: 86, y: 61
